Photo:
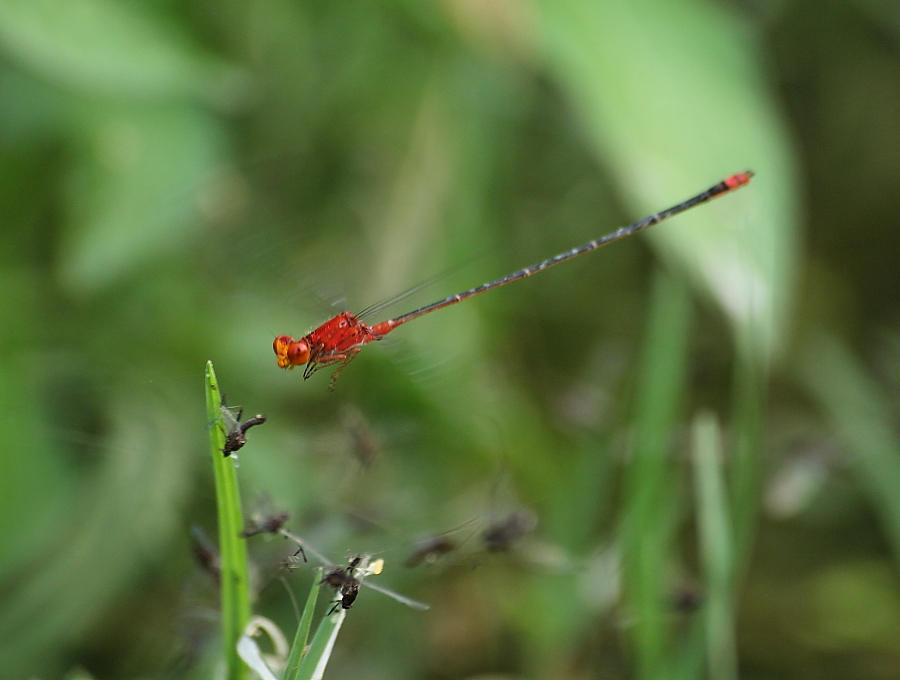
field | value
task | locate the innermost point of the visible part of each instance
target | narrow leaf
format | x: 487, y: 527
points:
x: 234, y: 580
x: 716, y: 546
x: 313, y: 665
x: 298, y: 649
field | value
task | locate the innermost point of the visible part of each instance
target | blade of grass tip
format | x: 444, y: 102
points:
x: 235, y: 583
x: 292, y: 669
x: 862, y: 418
x: 716, y: 551
x: 313, y: 665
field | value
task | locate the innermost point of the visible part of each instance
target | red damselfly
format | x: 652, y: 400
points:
x: 337, y: 341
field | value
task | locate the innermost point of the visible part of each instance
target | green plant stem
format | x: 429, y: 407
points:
x: 716, y: 546
x: 651, y: 480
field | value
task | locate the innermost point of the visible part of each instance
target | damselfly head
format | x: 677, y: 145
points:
x: 290, y: 352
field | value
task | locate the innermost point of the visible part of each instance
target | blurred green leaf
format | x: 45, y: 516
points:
x: 114, y: 49
x: 651, y: 482
x: 35, y: 487
x: 134, y: 196
x: 716, y: 546
x: 88, y: 560
x: 672, y: 96
x: 862, y: 421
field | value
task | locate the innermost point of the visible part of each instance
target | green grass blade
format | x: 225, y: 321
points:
x: 235, y: 582
x: 292, y: 670
x: 313, y: 665
x: 651, y: 481
x: 716, y: 546
x: 690, y: 658
x: 862, y: 417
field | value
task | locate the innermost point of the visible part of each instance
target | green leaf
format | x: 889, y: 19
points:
x: 298, y: 649
x: 135, y: 491
x: 313, y: 665
x: 134, y: 196
x: 109, y: 48
x: 672, y: 98
x: 235, y: 582
x: 716, y: 546
x: 651, y: 481
x: 862, y: 419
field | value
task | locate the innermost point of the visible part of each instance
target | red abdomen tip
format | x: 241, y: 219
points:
x: 739, y: 179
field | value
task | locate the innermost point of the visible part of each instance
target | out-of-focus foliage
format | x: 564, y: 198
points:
x: 182, y: 182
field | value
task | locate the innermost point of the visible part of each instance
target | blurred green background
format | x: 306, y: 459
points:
x: 704, y: 418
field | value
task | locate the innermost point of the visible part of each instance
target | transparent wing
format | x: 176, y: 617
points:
x: 231, y: 417
x: 402, y: 599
